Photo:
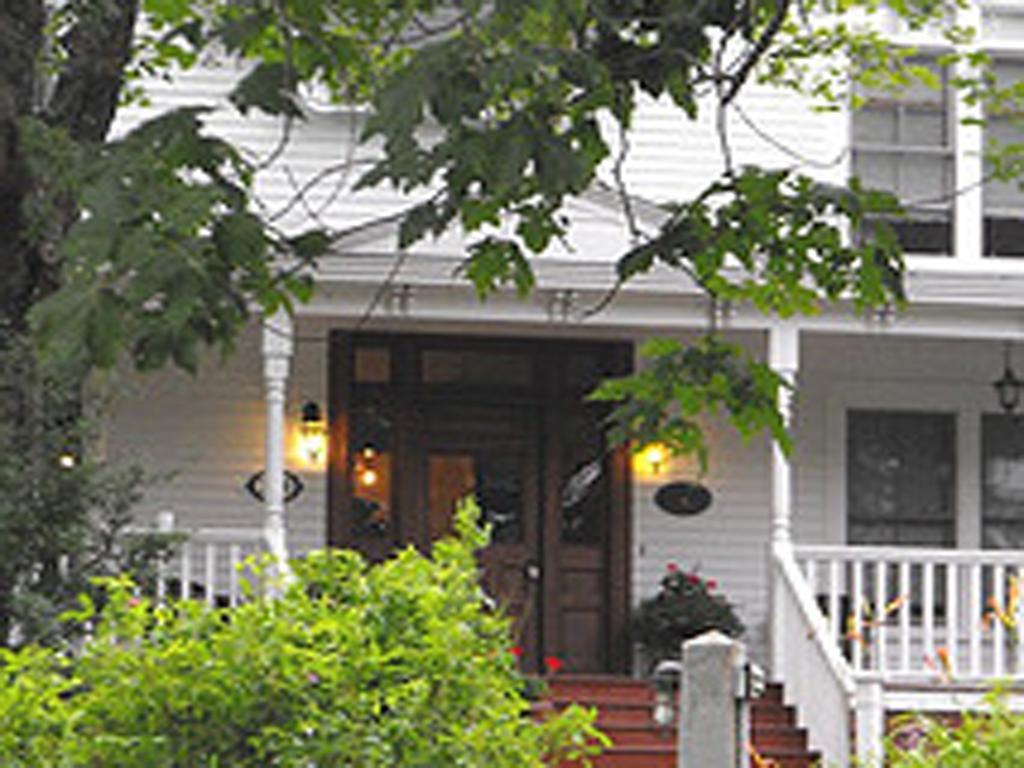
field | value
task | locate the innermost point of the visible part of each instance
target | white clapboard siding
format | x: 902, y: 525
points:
x: 671, y: 158
x: 728, y: 542
x: 201, y: 438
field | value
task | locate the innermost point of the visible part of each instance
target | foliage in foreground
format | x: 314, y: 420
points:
x: 992, y: 737
x: 685, y: 607
x: 64, y: 513
x: 397, y: 664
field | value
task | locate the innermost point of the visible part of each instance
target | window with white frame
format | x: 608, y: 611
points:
x: 903, y: 143
x: 901, y: 478
x: 1003, y: 201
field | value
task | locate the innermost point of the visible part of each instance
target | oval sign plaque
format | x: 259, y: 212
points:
x: 683, y: 499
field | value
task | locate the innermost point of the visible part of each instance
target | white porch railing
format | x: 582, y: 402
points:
x: 209, y: 562
x: 911, y: 614
x: 817, y: 678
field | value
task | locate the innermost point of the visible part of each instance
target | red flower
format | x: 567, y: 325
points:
x: 672, y: 568
x: 710, y: 584
x: 553, y: 663
x: 517, y: 651
x: 693, y: 578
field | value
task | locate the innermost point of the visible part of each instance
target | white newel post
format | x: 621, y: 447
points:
x: 712, y: 703
x: 870, y: 722
x: 278, y: 345
x: 784, y: 359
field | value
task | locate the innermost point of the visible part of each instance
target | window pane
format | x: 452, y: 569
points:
x: 370, y: 449
x: 585, y: 476
x: 495, y: 479
x: 903, y: 145
x: 373, y: 365
x: 901, y: 472
x: 1003, y: 200
x: 470, y: 366
x: 924, y: 128
x: 1004, y: 236
x: 874, y: 125
x: 1002, y: 448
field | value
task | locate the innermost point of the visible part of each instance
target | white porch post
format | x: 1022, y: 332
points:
x: 784, y: 359
x: 278, y: 345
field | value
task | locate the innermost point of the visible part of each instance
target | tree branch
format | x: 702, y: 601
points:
x: 98, y: 48
x: 739, y: 78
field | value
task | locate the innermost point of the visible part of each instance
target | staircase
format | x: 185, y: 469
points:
x: 624, y: 708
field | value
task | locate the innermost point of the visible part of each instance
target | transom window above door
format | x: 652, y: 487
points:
x: 901, y: 478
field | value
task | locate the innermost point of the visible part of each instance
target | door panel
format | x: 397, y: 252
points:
x: 501, y: 474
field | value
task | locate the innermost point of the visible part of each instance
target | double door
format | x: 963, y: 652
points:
x: 404, y: 454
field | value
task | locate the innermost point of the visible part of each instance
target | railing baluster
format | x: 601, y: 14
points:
x: 164, y: 525
x: 211, y: 568
x: 186, y: 571
x: 834, y: 620
x: 854, y: 619
x: 998, y: 630
x: 952, y: 635
x: 235, y: 557
x: 974, y: 619
x: 904, y: 598
x: 811, y: 571
x: 928, y: 609
x: 879, y: 614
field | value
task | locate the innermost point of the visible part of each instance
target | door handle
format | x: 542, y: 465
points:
x: 532, y: 572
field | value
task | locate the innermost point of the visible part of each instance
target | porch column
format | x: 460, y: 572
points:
x: 278, y: 345
x: 784, y: 359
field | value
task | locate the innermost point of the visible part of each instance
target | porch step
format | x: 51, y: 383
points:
x: 624, y: 706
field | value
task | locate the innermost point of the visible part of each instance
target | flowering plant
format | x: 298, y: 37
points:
x: 684, y: 607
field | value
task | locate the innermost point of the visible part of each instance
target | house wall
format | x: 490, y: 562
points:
x: 200, y: 439
x: 205, y: 436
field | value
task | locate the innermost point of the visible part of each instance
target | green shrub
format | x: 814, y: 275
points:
x: 991, y: 737
x: 686, y: 606
x: 396, y: 664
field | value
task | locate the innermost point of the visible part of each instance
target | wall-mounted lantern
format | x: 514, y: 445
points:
x: 651, y: 460
x: 1008, y: 386
x: 313, y: 433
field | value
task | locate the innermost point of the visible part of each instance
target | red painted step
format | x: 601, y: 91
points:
x: 624, y: 708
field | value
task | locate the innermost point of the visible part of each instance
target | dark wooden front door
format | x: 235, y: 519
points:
x: 420, y: 422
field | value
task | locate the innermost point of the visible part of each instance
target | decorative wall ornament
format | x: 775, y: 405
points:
x: 293, y: 486
x: 683, y: 499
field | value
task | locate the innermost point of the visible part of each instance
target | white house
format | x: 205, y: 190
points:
x: 859, y: 563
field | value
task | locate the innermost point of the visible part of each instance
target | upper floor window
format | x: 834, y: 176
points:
x: 1003, y: 201
x: 903, y: 143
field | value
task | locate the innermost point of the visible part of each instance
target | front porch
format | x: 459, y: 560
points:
x: 799, y: 600
x: 863, y: 632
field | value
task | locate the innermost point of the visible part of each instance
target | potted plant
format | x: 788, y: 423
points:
x: 685, y: 606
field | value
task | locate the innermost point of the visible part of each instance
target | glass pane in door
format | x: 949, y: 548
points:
x: 495, y: 480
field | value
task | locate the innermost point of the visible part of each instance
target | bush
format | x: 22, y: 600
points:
x: 686, y: 606
x: 396, y: 664
x: 992, y: 737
